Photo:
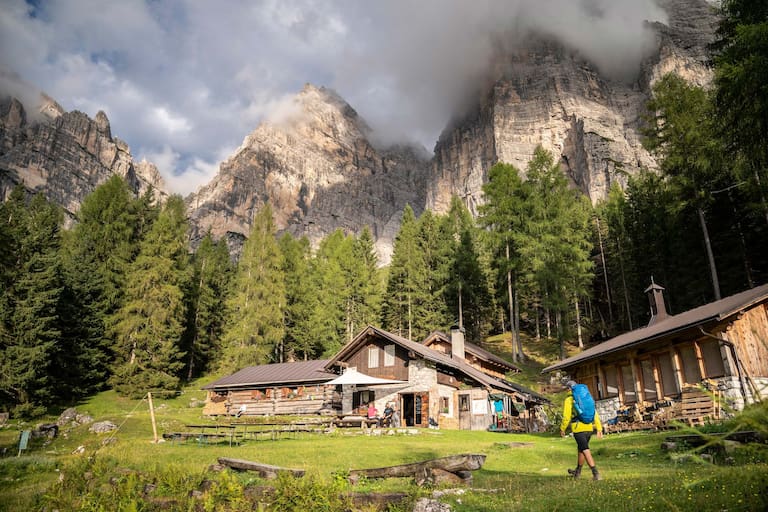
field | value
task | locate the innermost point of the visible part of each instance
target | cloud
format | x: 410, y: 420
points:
x: 192, y: 79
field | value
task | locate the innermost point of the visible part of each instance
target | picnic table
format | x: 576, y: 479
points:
x: 204, y: 433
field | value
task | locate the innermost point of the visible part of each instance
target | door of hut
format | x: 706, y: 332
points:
x: 415, y: 409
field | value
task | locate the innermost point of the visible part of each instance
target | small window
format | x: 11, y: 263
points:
x: 464, y: 402
x: 630, y: 396
x: 373, y: 357
x: 611, y: 385
x: 649, y: 382
x: 445, y: 405
x: 713, y: 359
x: 667, y: 371
x: 389, y: 355
x: 691, y: 372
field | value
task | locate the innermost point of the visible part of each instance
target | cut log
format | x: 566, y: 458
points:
x: 427, y: 471
x: 264, y: 470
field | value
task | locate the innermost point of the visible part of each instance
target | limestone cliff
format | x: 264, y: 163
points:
x: 546, y: 95
x: 318, y: 171
x: 64, y: 155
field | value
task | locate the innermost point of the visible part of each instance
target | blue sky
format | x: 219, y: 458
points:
x: 184, y: 81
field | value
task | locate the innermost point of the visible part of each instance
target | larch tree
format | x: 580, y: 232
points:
x: 254, y: 328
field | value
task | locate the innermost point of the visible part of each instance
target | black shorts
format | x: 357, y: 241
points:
x: 582, y: 440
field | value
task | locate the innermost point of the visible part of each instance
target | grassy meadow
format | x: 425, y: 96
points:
x: 126, y: 471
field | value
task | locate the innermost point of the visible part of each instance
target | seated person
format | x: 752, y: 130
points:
x: 373, y: 413
x: 386, y: 421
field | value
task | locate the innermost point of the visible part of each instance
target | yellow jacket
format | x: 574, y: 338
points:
x: 577, y: 426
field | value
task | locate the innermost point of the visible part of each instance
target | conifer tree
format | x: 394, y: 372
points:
x: 301, y: 299
x: 364, y: 283
x: 30, y: 344
x: 330, y: 318
x: 254, y: 328
x: 406, y: 283
x: 502, y: 214
x: 211, y: 273
x: 97, y: 253
x: 151, y: 322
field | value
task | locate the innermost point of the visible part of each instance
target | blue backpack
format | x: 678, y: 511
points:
x: 583, y: 404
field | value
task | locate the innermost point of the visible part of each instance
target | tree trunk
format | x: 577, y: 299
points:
x: 511, y: 310
x: 578, y: 324
x: 710, y: 255
x: 605, y: 270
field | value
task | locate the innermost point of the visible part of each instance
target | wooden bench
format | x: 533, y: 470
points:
x: 356, y: 421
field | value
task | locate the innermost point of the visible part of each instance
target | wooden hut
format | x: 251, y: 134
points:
x: 698, y: 365
x: 272, y: 389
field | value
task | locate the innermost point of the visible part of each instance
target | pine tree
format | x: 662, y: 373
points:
x: 211, y: 273
x: 254, y: 328
x: 151, y: 322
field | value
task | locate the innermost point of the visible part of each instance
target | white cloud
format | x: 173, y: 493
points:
x: 189, y: 78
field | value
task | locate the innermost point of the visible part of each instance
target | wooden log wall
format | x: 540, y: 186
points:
x: 288, y: 401
x: 749, y: 333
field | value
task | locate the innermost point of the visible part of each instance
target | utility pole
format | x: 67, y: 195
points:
x: 152, y: 415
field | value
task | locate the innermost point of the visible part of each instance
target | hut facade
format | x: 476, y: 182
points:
x: 704, y: 363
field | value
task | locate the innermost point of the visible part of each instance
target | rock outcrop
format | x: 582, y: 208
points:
x: 547, y: 95
x: 319, y: 172
x: 65, y: 155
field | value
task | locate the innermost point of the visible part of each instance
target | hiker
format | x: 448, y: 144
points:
x: 386, y: 421
x: 583, y: 424
x: 373, y: 414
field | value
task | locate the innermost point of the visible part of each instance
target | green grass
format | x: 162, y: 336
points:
x: 115, y: 471
x: 637, y: 474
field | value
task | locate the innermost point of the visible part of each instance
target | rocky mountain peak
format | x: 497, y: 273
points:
x: 311, y: 159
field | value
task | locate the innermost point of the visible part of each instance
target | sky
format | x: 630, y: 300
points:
x: 183, y: 82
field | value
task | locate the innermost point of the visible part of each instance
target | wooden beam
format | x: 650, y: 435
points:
x: 264, y: 470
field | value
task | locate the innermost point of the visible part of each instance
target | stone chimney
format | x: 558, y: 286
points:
x: 457, y: 342
x: 655, y: 295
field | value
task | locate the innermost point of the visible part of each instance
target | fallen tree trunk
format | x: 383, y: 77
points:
x: 264, y: 470
x: 453, y: 469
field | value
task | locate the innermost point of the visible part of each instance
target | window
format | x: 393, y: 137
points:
x: 373, y: 357
x: 713, y: 359
x: 464, y: 402
x: 389, y: 355
x: 691, y: 372
x: 445, y: 405
x: 649, y: 383
x: 362, y: 398
x: 611, y: 384
x: 667, y: 371
x: 630, y: 396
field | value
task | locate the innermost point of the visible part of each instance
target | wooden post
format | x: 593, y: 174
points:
x: 152, y: 416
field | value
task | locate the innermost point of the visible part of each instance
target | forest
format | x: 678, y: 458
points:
x: 120, y: 301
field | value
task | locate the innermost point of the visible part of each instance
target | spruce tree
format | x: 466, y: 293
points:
x: 254, y: 328
x: 151, y: 322
x: 301, y: 297
x: 30, y: 377
x: 211, y: 273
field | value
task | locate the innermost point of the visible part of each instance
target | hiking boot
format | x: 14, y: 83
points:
x: 596, y: 476
x: 575, y: 473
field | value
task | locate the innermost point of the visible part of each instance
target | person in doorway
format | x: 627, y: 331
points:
x: 582, y: 432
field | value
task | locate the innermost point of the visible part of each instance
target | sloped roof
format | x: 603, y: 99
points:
x: 708, y: 314
x: 425, y: 352
x: 305, y: 372
x: 473, y: 349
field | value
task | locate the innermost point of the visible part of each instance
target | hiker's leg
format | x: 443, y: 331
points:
x: 587, y: 455
x: 581, y: 459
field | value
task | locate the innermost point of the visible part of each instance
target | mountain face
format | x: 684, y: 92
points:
x: 64, y: 155
x: 319, y: 172
x: 545, y: 95
x: 317, y: 168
